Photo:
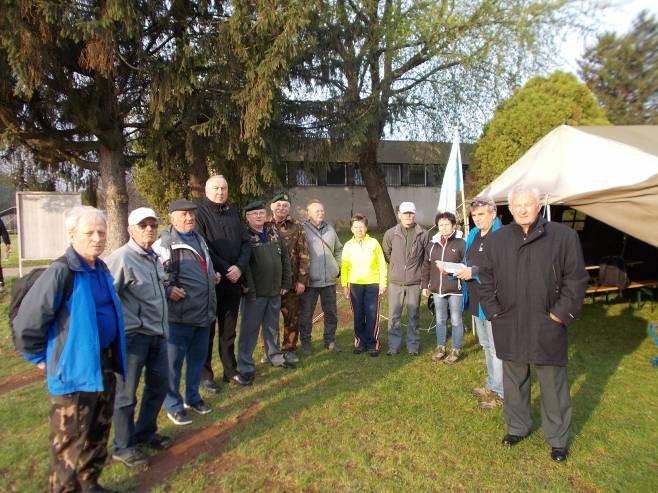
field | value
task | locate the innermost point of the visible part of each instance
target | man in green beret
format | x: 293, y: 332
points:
x: 292, y: 233
x: 267, y: 278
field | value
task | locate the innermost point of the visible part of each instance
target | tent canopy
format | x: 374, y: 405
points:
x: 608, y: 172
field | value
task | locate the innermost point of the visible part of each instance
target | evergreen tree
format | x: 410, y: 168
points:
x: 622, y: 72
x: 523, y: 119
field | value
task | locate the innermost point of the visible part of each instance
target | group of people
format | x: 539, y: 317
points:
x: 165, y: 299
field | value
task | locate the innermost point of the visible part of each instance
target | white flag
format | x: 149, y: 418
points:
x: 453, y: 181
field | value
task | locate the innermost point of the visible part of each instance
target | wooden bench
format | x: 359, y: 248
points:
x: 642, y: 287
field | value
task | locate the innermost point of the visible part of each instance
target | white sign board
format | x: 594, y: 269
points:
x: 40, y: 220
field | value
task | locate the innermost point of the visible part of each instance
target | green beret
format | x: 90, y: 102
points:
x: 281, y: 196
x: 254, y: 206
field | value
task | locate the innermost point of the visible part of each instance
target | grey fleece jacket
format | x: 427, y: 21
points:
x: 325, y: 250
x: 405, y: 270
x: 138, y: 279
x: 195, y: 273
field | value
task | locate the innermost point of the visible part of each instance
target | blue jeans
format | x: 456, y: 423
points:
x: 148, y: 353
x: 365, y: 307
x: 494, y: 365
x: 187, y: 342
x: 441, y: 304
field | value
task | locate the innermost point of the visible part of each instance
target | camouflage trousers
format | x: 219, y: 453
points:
x: 290, y: 312
x: 79, y: 429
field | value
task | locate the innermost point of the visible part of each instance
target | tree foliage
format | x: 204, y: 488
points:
x: 523, y: 119
x: 622, y: 72
x: 378, y: 62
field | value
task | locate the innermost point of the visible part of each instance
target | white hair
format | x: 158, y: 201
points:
x: 73, y: 216
x: 518, y: 189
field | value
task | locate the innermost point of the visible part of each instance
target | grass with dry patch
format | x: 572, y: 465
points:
x: 343, y: 422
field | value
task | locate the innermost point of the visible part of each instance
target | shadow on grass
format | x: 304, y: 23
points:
x: 598, y: 344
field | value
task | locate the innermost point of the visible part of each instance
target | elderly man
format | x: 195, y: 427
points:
x: 268, y: 278
x: 292, y: 233
x: 533, y: 283
x: 483, y: 212
x: 70, y: 325
x: 190, y: 289
x: 219, y: 223
x: 139, y: 282
x: 404, y: 250
x: 325, y: 252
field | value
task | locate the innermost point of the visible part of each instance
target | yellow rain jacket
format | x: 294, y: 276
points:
x: 363, y: 262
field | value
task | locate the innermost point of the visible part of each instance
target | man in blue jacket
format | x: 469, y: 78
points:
x: 483, y: 212
x: 70, y: 325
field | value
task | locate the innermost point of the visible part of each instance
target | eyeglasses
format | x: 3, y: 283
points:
x: 256, y: 213
x: 147, y: 225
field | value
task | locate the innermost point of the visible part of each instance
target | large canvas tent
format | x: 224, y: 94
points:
x: 608, y: 172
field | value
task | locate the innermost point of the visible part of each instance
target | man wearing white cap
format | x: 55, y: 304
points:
x: 404, y: 250
x: 138, y: 280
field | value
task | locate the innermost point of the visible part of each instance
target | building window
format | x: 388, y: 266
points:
x: 392, y: 174
x: 358, y: 178
x: 336, y: 174
x: 306, y: 178
x: 574, y: 219
x: 417, y: 175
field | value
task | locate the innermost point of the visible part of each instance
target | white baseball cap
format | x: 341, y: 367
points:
x: 407, y: 207
x: 138, y: 215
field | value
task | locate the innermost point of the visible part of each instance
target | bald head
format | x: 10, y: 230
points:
x: 217, y: 189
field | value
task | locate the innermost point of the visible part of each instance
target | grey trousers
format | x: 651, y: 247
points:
x: 307, y: 302
x: 397, y: 296
x: 555, y: 401
x: 256, y: 313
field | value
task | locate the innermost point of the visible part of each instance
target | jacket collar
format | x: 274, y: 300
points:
x: 132, y: 244
x: 535, y: 230
x: 74, y: 261
x: 215, y: 206
x: 417, y: 229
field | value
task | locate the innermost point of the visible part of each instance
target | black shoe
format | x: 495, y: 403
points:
x: 180, y: 418
x: 210, y: 386
x: 132, y: 457
x: 238, y: 379
x: 373, y: 353
x: 511, y: 440
x: 249, y: 377
x: 158, y: 442
x: 413, y: 353
x: 559, y: 454
x: 359, y: 350
x: 200, y: 407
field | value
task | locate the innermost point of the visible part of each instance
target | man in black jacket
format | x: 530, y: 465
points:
x: 220, y: 225
x: 533, y: 283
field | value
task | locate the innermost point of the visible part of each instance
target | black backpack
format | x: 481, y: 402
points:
x: 613, y: 272
x: 23, y: 284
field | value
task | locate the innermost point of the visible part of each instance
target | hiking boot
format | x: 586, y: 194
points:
x: 332, y: 347
x: 132, y: 457
x: 481, y: 392
x: 210, y: 386
x: 291, y: 357
x: 453, y: 358
x: 307, y: 349
x: 179, y: 418
x: 439, y: 354
x: 238, y: 379
x: 492, y: 403
x: 200, y: 407
x: 158, y: 442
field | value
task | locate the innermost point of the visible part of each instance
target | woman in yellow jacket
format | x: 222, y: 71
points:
x: 363, y: 277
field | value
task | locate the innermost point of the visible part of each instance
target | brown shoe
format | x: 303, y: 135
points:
x: 493, y: 403
x: 453, y: 358
x: 439, y: 354
x: 481, y: 392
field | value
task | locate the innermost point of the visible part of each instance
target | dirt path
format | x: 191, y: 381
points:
x: 17, y: 381
x: 212, y: 440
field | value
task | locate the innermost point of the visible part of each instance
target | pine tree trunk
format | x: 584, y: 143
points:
x: 376, y: 184
x: 113, y: 177
x: 197, y: 180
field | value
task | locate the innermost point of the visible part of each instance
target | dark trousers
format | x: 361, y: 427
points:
x: 555, y: 401
x: 228, y: 304
x: 148, y: 353
x: 290, y: 312
x: 80, y: 425
x: 307, y: 302
x: 364, y: 299
x: 189, y: 343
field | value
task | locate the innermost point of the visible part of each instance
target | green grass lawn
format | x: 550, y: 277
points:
x: 342, y: 422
